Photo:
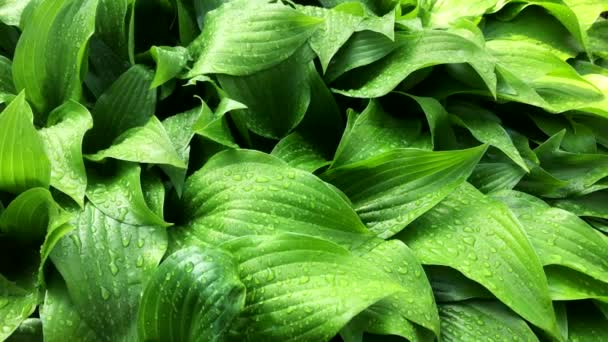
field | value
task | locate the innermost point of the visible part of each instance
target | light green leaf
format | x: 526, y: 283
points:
x: 598, y: 38
x: 243, y: 37
x: 51, y: 52
x: 16, y: 304
x: 106, y: 265
x: 374, y: 132
x: 490, y: 177
x: 7, y: 88
x: 477, y: 321
x: 300, y: 152
x: 154, y: 191
x: 315, y: 299
x: 204, y: 284
x: 170, y: 62
x: 214, y: 126
x: 558, y: 236
x: 146, y: 144
x: 418, y: 50
x: 63, y: 141
x: 393, y: 189
x: 483, y: 240
x: 23, y: 160
x: 592, y: 205
x: 128, y: 102
x: 120, y: 197
x: 275, y: 104
x: 568, y: 284
x: 10, y: 11
x: 442, y: 14
x: 442, y: 134
x: 243, y: 192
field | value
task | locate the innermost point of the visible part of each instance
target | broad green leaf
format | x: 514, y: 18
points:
x: 418, y: 50
x: 10, y: 11
x: 558, y: 236
x: 154, y: 191
x: 104, y: 68
x: 577, y: 138
x: 598, y: 38
x: 442, y: 14
x: 63, y: 141
x: 145, y: 144
x: 450, y: 285
x: 28, y: 217
x: 592, y: 205
x: 477, y: 321
x: 170, y: 62
x: 51, y: 53
x: 486, y: 127
x: 128, y: 102
x: 568, y: 284
x: 489, y: 177
x: 483, y: 240
x: 60, y: 319
x: 119, y: 195
x: 378, y: 6
x: 414, y: 303
x: 442, y: 134
x: 374, y: 132
x: 243, y: 192
x: 29, y: 330
x: 16, y: 304
x: 186, y: 17
x: 106, y: 264
x: 393, y: 189
x: 587, y: 325
x: 114, y: 26
x: 243, y: 37
x: 204, y: 284
x: 7, y: 88
x: 598, y: 77
x: 214, y: 126
x: 23, y: 160
x: 317, y: 286
x: 275, y: 104
x: 299, y: 152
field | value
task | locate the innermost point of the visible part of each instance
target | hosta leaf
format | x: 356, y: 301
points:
x: 114, y: 26
x: 568, y: 284
x: 23, y: 160
x: 586, y: 324
x: 577, y: 138
x: 170, y: 62
x: 418, y: 50
x: 29, y: 330
x: 7, y: 88
x: 16, y: 304
x: 63, y: 141
x: 598, y: 38
x: 154, y: 191
x: 317, y: 286
x: 442, y: 134
x: 242, y: 192
x: 374, y: 132
x: 145, y: 144
x: 120, y: 196
x: 558, y: 236
x: 275, y: 104
x: 106, y: 264
x: 391, y: 190
x: 214, y: 126
x: 205, y: 284
x: 450, y: 285
x: 10, y: 11
x: 489, y: 177
x: 299, y: 152
x: 484, y: 241
x: 476, y: 321
x: 51, y: 52
x: 128, y: 102
x: 443, y: 13
x: 256, y: 27
x: 592, y: 205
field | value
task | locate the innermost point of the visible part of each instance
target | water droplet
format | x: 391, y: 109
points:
x: 304, y: 279
x: 189, y: 266
x: 139, y: 262
x: 105, y: 294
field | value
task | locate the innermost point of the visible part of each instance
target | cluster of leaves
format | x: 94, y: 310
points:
x: 347, y: 170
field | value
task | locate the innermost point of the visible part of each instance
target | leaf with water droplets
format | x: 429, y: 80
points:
x: 586, y: 324
x: 204, y: 284
x: 477, y: 321
x: 591, y: 205
x: 102, y: 275
x: 315, y: 299
x: 16, y: 304
x: 300, y: 152
x: 391, y: 190
x: 449, y: 285
x: 170, y: 62
x: 567, y: 284
x: 490, y: 247
x: 7, y: 88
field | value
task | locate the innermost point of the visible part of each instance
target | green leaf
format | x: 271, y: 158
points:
x: 592, y: 205
x: 257, y: 27
x: 106, y: 264
x: 442, y: 134
x: 558, y: 236
x: 170, y: 62
x: 23, y: 160
x: 587, y: 325
x: 392, y: 189
x: 568, y: 284
x: 120, y: 197
x: 316, y: 299
x: 483, y: 240
x: 51, y: 53
x: 418, y: 50
x: 204, y: 284
x: 214, y: 126
x: 10, y: 11
x: 577, y: 138
x: 374, y: 132
x: 275, y: 104
x: 450, y: 285
x: 7, y: 88
x: 29, y: 330
x: 299, y: 152
x: 476, y: 321
x: 60, y: 318
x: 243, y: 192
x: 490, y: 177
x: 598, y: 38
x: 128, y: 102
x: 63, y: 142
x: 145, y: 144
x: 16, y: 304
x: 442, y: 14
x: 114, y: 26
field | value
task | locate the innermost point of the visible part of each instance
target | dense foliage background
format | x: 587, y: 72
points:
x: 254, y: 170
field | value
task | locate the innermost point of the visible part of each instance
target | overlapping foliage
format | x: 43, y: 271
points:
x: 255, y: 170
